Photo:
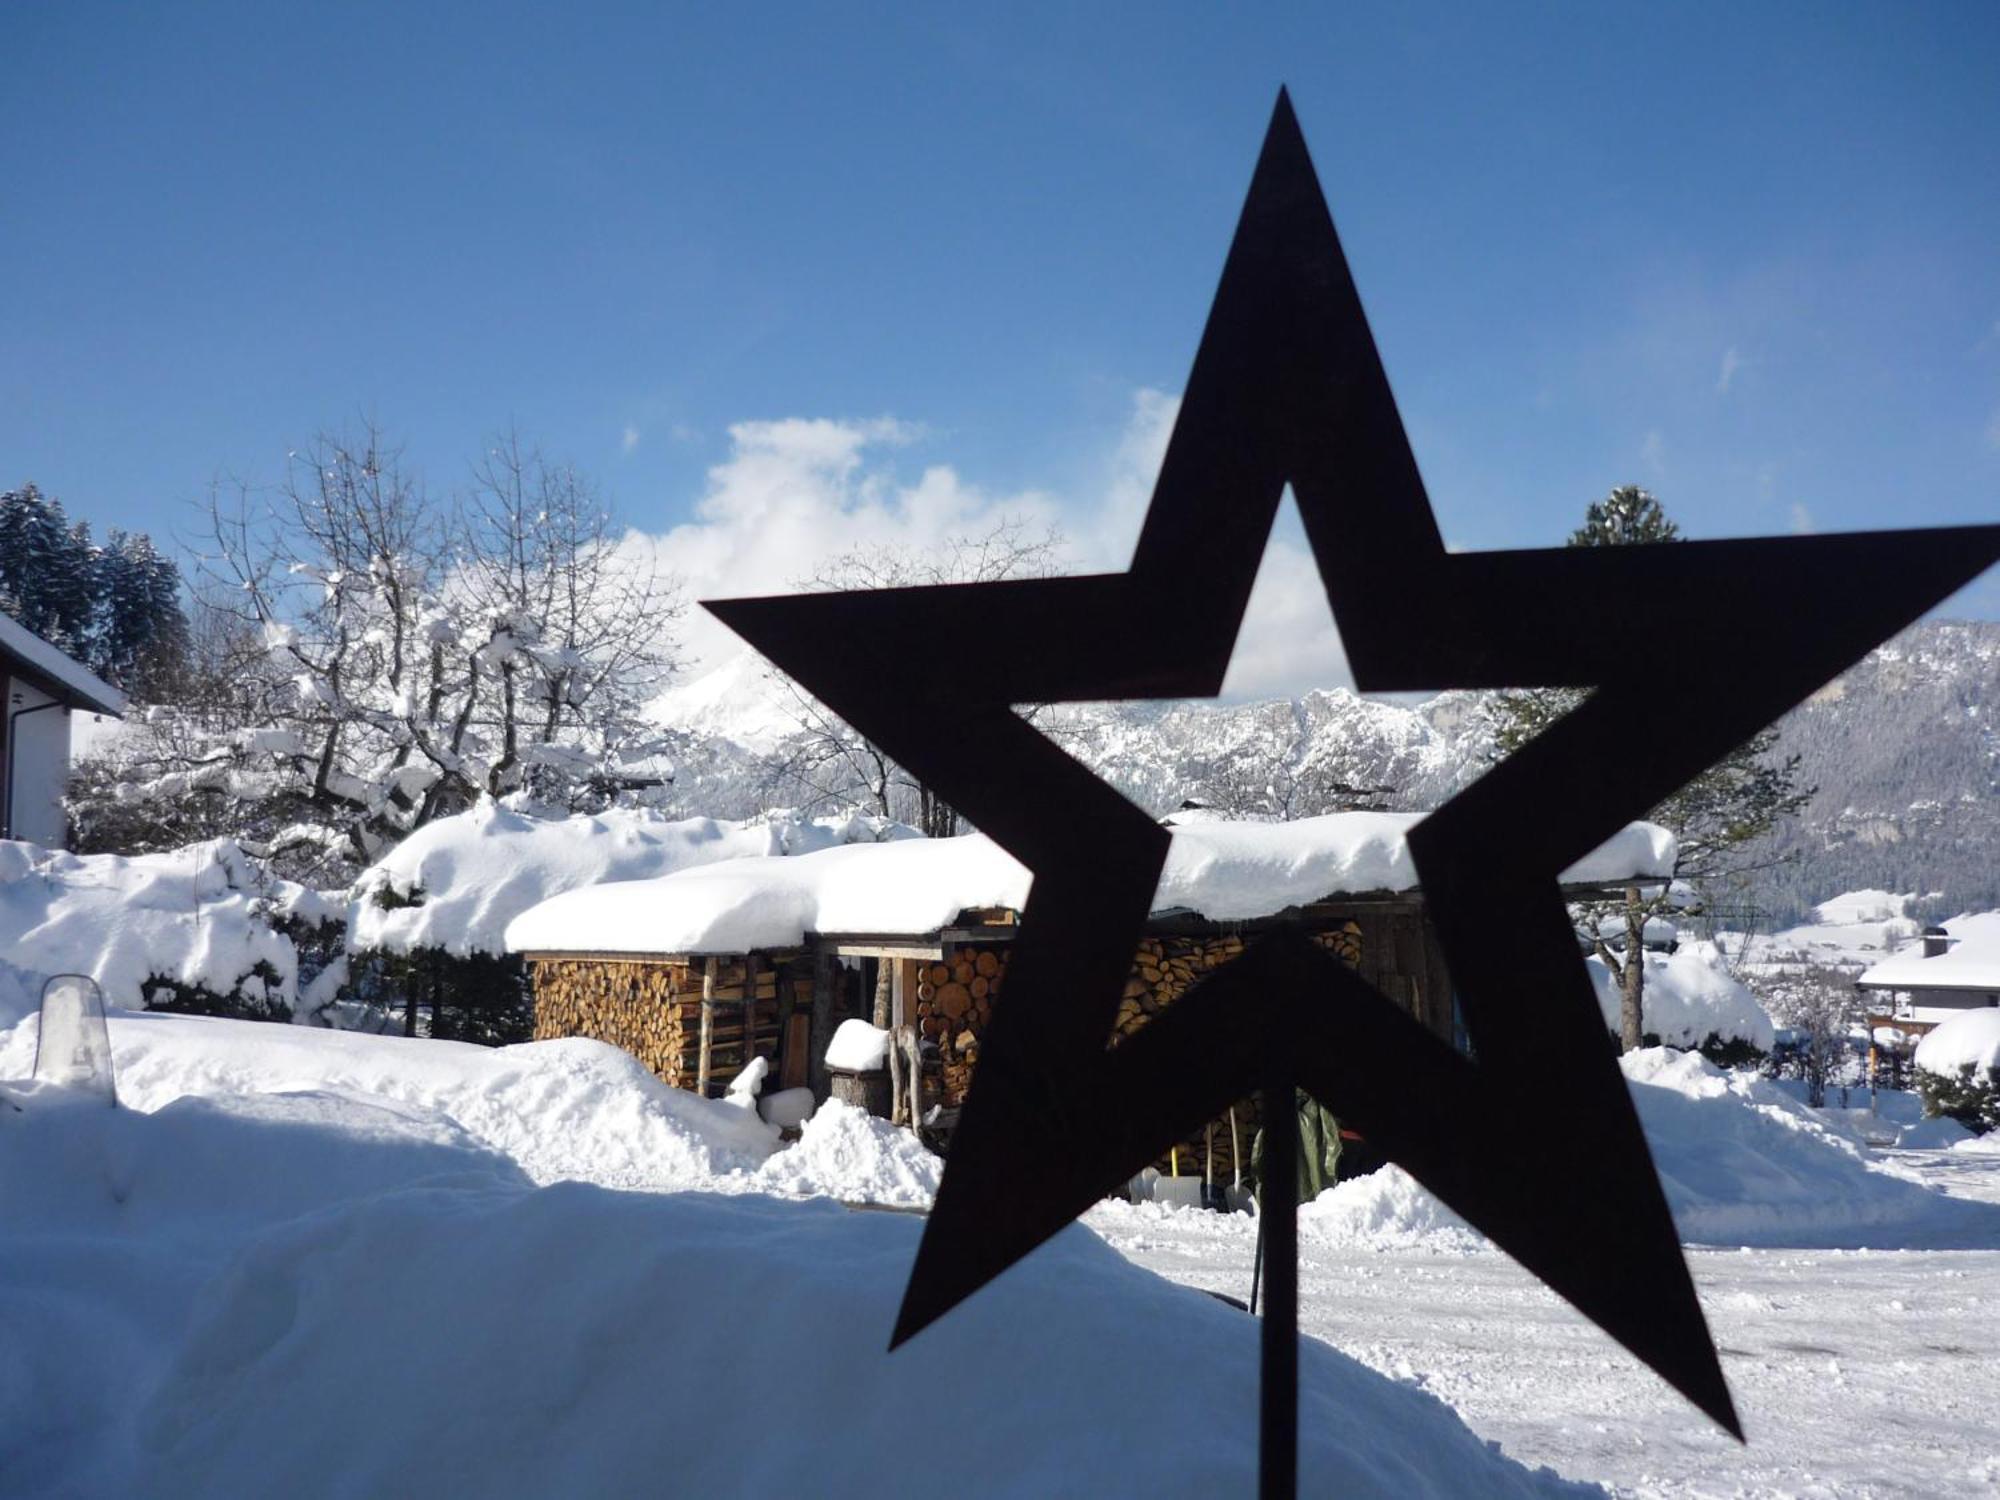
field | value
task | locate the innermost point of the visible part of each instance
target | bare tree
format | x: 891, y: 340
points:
x: 388, y: 658
x: 1820, y: 1005
x: 825, y: 762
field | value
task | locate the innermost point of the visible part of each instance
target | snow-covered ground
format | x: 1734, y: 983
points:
x: 309, y: 1262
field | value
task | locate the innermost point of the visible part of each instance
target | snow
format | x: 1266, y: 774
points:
x: 858, y: 1047
x: 81, y: 687
x: 1222, y: 870
x: 1688, y: 997
x: 1971, y: 962
x: 198, y: 1293
x: 557, y: 1110
x: 788, y: 1109
x: 1851, y: 907
x: 197, y: 916
x: 1970, y: 1039
x: 847, y: 1153
x: 1741, y: 1163
x: 738, y: 701
x: 471, y: 874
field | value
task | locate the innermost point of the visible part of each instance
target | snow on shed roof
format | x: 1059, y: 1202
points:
x: 455, y: 884
x: 1972, y: 962
x: 62, y: 674
x: 1223, y: 871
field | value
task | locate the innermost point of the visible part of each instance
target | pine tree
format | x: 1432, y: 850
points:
x: 1718, y: 818
x: 116, y: 608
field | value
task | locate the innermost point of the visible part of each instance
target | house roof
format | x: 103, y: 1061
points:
x: 1972, y: 962
x: 1223, y: 871
x: 61, y: 676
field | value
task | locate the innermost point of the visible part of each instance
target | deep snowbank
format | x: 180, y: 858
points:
x: 1741, y: 1164
x: 504, y: 1340
x: 571, y: 1109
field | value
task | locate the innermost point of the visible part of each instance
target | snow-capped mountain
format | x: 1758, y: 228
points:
x: 1905, y: 749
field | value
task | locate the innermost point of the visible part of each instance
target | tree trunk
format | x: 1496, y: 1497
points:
x: 1632, y: 983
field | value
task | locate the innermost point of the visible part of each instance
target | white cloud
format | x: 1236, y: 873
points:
x: 1802, y: 519
x: 795, y: 492
x: 1731, y: 363
x: 1653, y: 453
x: 1287, y: 642
x: 629, y: 440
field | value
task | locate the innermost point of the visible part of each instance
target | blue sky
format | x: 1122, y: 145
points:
x: 1748, y: 256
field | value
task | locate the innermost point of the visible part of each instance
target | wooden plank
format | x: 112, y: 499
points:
x: 825, y: 977
x: 795, y: 1069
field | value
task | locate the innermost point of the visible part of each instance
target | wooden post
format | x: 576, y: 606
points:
x: 1278, y: 1179
x: 896, y: 1077
x: 825, y: 972
x: 1235, y: 1149
x: 782, y: 1065
x: 707, y: 1027
x: 749, y: 1008
x: 911, y: 1038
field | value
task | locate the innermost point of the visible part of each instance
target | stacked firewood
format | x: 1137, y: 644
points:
x: 653, y: 1010
x: 954, y: 1002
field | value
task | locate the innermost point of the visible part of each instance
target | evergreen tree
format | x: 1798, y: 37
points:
x: 1720, y: 818
x: 115, y: 608
x: 45, y: 569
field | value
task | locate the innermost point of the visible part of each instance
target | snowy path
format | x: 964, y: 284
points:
x: 1857, y: 1373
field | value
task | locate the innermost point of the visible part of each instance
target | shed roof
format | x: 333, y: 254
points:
x: 55, y: 672
x: 1225, y: 871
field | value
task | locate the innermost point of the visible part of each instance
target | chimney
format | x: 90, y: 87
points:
x: 1936, y: 940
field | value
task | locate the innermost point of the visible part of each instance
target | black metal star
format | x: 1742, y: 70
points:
x: 1287, y: 387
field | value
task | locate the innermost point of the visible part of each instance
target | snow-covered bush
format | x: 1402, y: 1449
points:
x: 199, y: 929
x: 1958, y: 1070
x: 384, y: 657
x: 1693, y: 1003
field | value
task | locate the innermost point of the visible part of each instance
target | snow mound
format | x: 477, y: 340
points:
x: 1225, y: 871
x: 201, y: 915
x: 846, y: 1153
x: 1744, y: 1164
x: 1969, y: 1039
x: 455, y: 884
x: 858, y: 1047
x: 564, y: 1109
x: 636, y: 1363
x: 1741, y: 1164
x: 1387, y: 1209
x: 1932, y: 1135
x: 1689, y: 997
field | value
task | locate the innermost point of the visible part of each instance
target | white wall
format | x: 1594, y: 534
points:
x: 41, y: 765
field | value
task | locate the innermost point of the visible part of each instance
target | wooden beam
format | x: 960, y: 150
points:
x: 707, y: 1027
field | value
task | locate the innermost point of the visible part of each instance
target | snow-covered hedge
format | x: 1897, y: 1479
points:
x: 1958, y: 1069
x: 194, y: 928
x: 1693, y: 1002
